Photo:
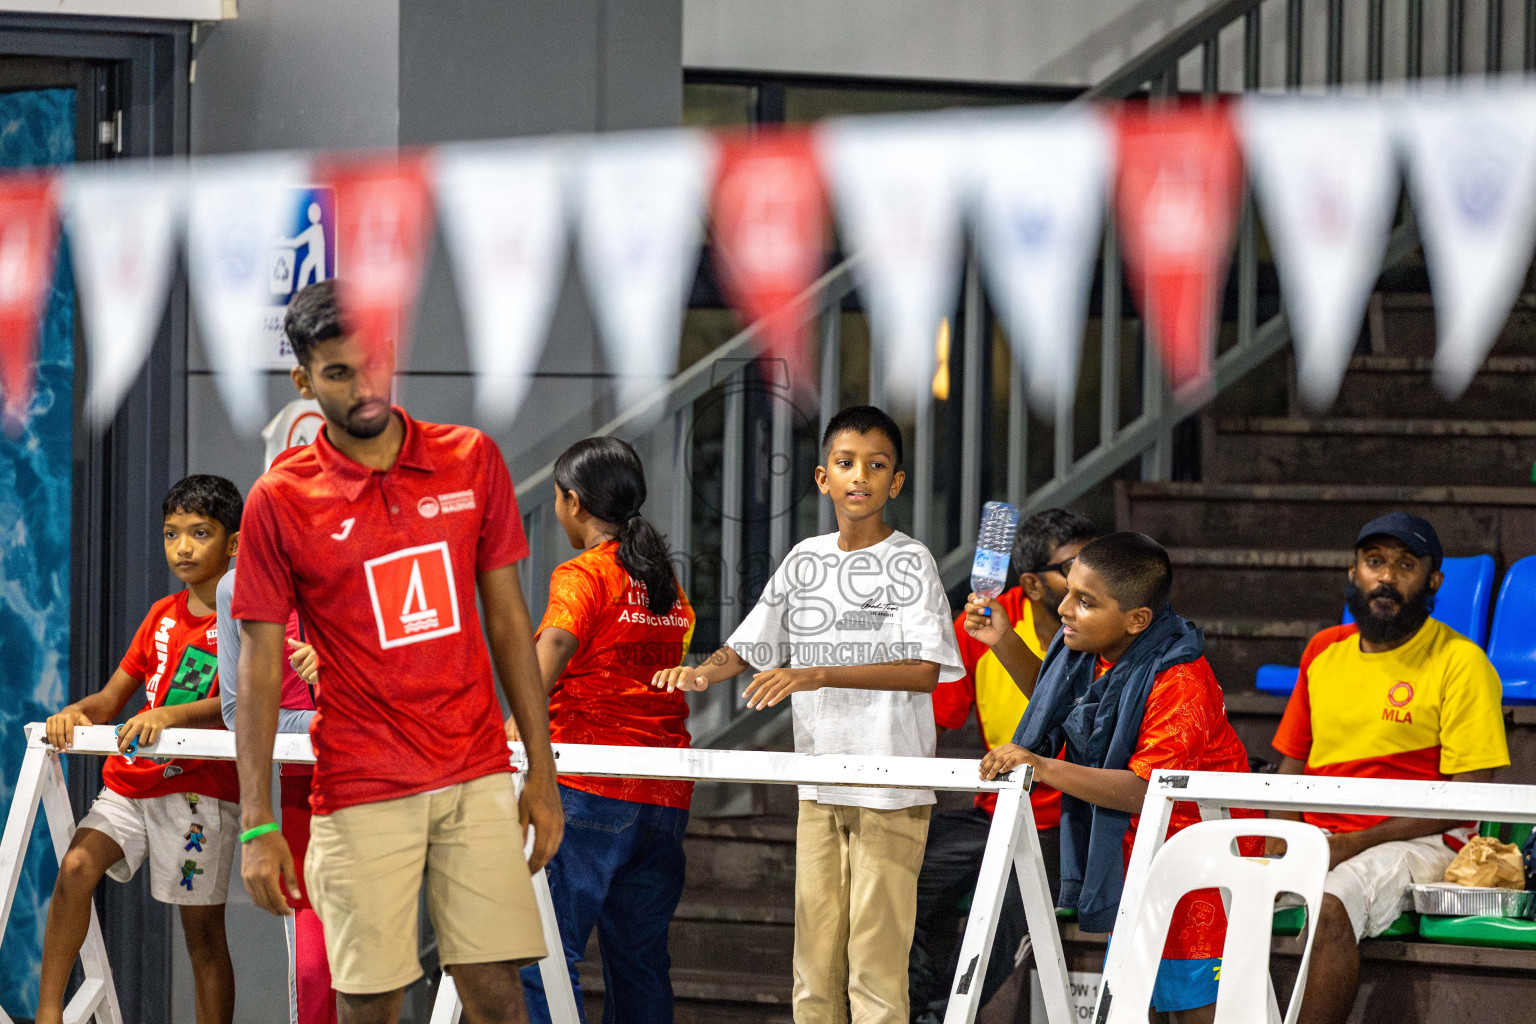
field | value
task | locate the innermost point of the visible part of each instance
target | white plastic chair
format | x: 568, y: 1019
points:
x: 1204, y: 856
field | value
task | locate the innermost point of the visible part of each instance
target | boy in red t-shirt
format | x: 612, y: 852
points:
x: 1126, y: 687
x: 180, y: 815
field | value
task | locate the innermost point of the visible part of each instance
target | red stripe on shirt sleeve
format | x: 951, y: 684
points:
x: 1294, y: 737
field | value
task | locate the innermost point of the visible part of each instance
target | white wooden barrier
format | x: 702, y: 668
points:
x: 1216, y: 793
x: 1012, y: 843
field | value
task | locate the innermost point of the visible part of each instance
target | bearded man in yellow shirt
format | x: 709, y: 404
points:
x: 1393, y: 695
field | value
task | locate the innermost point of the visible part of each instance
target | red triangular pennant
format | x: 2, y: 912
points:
x: 770, y: 225
x: 29, y: 234
x: 1177, y: 194
x: 384, y: 228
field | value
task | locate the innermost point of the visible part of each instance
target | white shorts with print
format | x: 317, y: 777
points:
x: 1373, y: 886
x: 188, y: 839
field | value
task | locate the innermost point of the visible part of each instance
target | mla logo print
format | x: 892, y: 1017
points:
x: 1400, y: 694
x: 413, y: 595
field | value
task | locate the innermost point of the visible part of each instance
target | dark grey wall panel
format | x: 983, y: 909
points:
x: 297, y: 74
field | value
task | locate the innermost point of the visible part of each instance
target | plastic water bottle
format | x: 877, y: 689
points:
x: 994, y: 547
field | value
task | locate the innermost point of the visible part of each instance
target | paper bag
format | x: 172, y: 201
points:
x: 1488, y: 863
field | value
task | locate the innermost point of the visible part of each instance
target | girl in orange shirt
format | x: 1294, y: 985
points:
x: 616, y: 616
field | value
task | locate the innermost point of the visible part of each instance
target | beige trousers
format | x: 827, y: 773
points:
x: 855, y: 908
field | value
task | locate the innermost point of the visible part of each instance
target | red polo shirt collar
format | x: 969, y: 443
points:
x: 353, y: 476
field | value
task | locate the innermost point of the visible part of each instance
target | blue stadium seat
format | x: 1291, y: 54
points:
x: 1512, y: 644
x: 1462, y: 603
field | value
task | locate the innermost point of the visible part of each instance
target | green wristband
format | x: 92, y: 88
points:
x: 259, y: 830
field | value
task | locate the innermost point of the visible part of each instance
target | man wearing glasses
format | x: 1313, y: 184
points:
x: 1042, y: 554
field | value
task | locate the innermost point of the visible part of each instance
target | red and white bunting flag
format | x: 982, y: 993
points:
x: 123, y: 227
x: 29, y: 231
x: 384, y: 226
x: 641, y: 222
x: 236, y: 213
x: 503, y: 212
x: 1472, y: 176
x: 1041, y: 187
x: 1326, y: 178
x: 770, y: 229
x: 1177, y: 194
x: 898, y: 184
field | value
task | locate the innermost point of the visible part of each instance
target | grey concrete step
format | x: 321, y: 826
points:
x: 743, y: 855
x: 1237, y: 645
x: 1356, y: 450
x: 1399, y: 387
x: 1470, y: 519
x: 1407, y: 326
x: 1301, y: 584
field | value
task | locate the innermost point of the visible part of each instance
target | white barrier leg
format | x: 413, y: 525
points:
x: 1011, y: 818
x: 1151, y: 831
x: 18, y: 831
x: 41, y: 782
x: 1040, y: 912
x: 447, y: 1009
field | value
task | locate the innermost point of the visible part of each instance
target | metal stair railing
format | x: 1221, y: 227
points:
x: 663, y: 427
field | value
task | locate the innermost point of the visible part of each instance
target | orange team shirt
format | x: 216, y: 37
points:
x: 605, y: 693
x: 1185, y: 727
x: 1429, y: 709
x: 175, y: 656
x: 996, y: 697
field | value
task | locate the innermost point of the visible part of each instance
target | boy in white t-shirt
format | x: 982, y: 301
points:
x: 855, y: 626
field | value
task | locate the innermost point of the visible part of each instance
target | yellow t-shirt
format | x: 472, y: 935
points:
x: 999, y: 704
x: 1429, y: 709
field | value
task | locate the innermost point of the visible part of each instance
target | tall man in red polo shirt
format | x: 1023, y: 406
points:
x: 381, y: 533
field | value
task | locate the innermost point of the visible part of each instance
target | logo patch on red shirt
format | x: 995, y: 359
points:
x: 457, y: 501
x: 413, y: 594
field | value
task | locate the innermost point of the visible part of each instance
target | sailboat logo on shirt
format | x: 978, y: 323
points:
x: 415, y: 616
x: 413, y: 595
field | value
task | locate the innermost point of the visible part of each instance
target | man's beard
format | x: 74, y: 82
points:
x: 1389, y: 629
x: 352, y: 424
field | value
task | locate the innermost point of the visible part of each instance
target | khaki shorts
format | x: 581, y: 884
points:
x: 188, y: 839
x: 364, y: 872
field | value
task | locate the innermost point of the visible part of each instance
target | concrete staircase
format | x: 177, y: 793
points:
x: 1260, y: 544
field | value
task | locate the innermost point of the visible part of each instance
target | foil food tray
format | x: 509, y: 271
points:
x: 1444, y: 899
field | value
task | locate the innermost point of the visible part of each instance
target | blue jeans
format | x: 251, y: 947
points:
x: 620, y: 870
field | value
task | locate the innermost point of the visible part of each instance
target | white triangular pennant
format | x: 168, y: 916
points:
x: 122, y: 224
x: 897, y: 186
x: 1472, y: 172
x: 504, y: 223
x: 1326, y: 179
x: 1041, y: 189
x: 641, y: 221
x: 237, y: 214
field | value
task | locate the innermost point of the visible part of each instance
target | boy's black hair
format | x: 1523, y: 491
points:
x: 1134, y: 567
x: 861, y: 419
x: 205, y: 495
x: 314, y: 316
x: 1042, y: 533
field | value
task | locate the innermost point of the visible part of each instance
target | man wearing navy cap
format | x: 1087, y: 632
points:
x: 1393, y: 695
